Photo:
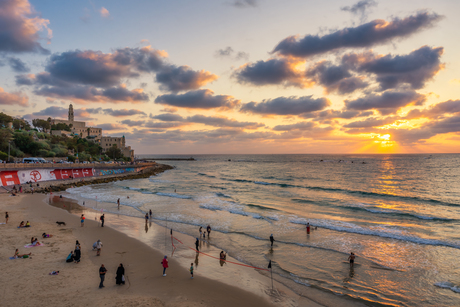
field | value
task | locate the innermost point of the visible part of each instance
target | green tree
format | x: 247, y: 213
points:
x: 60, y: 126
x: 5, y: 119
x: 20, y: 124
x: 114, y: 152
x: 41, y: 123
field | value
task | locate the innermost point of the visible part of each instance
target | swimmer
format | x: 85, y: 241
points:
x: 351, y: 258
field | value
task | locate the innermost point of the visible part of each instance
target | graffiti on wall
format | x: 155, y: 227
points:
x: 105, y: 172
x: 38, y: 175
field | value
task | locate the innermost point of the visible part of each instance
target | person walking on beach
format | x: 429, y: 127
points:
x: 102, y: 271
x: 120, y: 279
x: 197, y: 242
x: 146, y: 217
x: 98, y: 247
x: 118, y: 203
x: 82, y: 220
x: 191, y: 269
x: 150, y: 213
x: 351, y: 258
x: 209, y: 230
x: 308, y: 228
x: 201, y: 231
x: 77, y: 252
x: 102, y: 218
x: 272, y: 240
x: 6, y: 217
x: 164, y: 262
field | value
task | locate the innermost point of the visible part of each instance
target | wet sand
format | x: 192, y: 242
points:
x: 139, y: 246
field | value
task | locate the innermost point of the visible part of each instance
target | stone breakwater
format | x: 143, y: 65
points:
x: 62, y: 185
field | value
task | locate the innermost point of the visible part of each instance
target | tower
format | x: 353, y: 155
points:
x: 70, y: 113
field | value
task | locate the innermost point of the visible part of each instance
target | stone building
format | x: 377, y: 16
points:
x: 109, y: 141
x: 79, y: 128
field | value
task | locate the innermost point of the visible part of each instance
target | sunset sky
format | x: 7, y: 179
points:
x: 240, y: 76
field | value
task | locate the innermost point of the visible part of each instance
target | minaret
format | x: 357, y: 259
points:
x: 70, y: 113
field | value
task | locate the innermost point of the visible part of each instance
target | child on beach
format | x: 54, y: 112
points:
x: 82, y: 220
x: 165, y: 265
x: 191, y: 269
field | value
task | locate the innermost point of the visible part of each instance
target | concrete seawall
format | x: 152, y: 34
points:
x: 21, y: 174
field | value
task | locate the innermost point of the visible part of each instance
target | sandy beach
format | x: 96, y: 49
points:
x: 27, y: 281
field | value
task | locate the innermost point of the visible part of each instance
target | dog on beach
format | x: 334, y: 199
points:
x: 60, y: 223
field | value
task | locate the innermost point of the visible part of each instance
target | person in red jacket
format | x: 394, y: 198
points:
x: 165, y: 265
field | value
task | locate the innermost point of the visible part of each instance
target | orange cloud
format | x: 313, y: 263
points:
x: 13, y: 98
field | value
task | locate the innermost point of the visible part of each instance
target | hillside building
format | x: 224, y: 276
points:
x: 79, y: 128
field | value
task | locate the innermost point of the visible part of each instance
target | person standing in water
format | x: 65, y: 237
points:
x: 118, y: 203
x: 201, y: 231
x: 351, y: 258
x: 308, y: 228
x: 272, y: 239
x: 6, y: 217
x: 209, y: 230
x: 150, y: 213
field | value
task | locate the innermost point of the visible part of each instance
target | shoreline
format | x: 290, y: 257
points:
x: 256, y: 281
x: 145, y: 284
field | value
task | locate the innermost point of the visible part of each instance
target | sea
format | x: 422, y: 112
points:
x: 399, y: 214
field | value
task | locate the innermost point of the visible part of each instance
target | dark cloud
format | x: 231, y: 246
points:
x: 366, y: 35
x: 61, y: 112
x: 415, y: 69
x: 335, y: 78
x: 200, y: 99
x: 111, y: 127
x: 296, y: 126
x: 387, y: 102
x: 17, y: 65
x: 371, y: 122
x: 436, y: 111
x: 20, y: 27
x: 227, y: 52
x: 230, y: 53
x: 88, y: 68
x: 245, y: 3
x: 274, y: 71
x: 120, y: 93
x: 360, y: 8
x: 222, y: 122
x: 123, y: 112
x: 132, y: 123
x: 182, y: 78
x: 168, y: 117
x: 96, y: 76
x: 86, y: 93
x: 14, y: 98
x: 24, y: 80
x: 164, y: 125
x: 334, y: 114
x: 286, y: 106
